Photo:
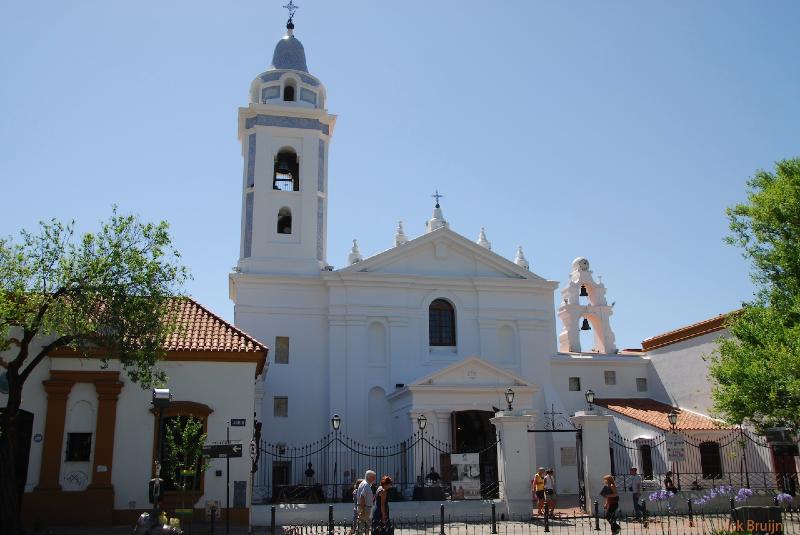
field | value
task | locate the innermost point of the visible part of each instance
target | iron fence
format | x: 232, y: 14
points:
x: 784, y: 520
x: 325, y: 470
x: 735, y: 457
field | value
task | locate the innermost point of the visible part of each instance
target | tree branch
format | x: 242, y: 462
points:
x: 58, y: 342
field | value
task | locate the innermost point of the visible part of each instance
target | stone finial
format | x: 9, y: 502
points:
x: 438, y: 220
x: 355, y: 255
x: 399, y: 235
x: 520, y: 260
x: 482, y: 241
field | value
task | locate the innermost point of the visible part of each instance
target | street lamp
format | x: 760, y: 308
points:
x: 422, y: 422
x: 336, y: 422
x: 509, y: 398
x: 161, y: 400
x: 590, y: 399
x: 672, y: 417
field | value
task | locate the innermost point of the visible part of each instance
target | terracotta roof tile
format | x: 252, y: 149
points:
x: 654, y: 413
x: 687, y: 332
x: 202, y: 330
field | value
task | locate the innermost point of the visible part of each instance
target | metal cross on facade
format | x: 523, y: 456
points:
x: 437, y: 196
x: 292, y: 8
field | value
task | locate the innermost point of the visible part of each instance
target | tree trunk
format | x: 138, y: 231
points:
x: 10, y: 500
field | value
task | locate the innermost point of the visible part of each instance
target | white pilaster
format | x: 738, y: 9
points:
x: 515, y: 461
x: 596, y: 461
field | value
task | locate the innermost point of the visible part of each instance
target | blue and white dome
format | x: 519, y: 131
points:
x: 289, y: 54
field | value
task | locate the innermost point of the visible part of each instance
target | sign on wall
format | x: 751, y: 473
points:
x: 466, y: 484
x: 676, y: 447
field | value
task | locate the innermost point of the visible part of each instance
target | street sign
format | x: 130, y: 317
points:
x: 222, y: 450
x: 238, y: 422
x: 676, y: 447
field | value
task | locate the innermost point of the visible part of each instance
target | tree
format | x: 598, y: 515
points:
x: 757, y: 370
x: 111, y: 290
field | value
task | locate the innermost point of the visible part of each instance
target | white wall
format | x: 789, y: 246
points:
x: 681, y: 373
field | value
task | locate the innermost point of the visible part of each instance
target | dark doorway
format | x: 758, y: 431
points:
x: 22, y: 449
x: 647, y: 461
x: 783, y: 459
x: 473, y: 433
x: 281, y: 477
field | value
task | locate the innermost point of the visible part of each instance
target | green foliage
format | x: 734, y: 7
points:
x: 757, y: 370
x: 111, y: 289
x: 184, y: 438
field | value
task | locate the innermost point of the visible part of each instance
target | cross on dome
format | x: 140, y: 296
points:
x: 292, y: 8
x: 437, y: 196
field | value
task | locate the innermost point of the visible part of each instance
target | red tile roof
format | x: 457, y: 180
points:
x: 654, y: 413
x: 202, y: 330
x: 689, y: 331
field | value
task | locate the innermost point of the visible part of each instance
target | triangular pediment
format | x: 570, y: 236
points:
x: 442, y: 253
x: 472, y: 371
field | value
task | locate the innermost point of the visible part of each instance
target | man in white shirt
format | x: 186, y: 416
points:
x: 364, y: 499
x: 635, y: 486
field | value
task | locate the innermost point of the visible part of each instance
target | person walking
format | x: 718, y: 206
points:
x: 537, y: 488
x: 364, y: 501
x: 356, y: 485
x: 636, y: 488
x: 381, y: 525
x: 611, y: 503
x: 550, y: 491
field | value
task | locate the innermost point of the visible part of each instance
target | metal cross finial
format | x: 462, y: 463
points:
x: 552, y: 415
x: 437, y: 196
x: 292, y: 8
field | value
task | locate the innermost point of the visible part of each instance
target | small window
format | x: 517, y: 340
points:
x: 610, y: 377
x: 280, y: 406
x: 574, y: 384
x: 281, y: 350
x: 79, y: 446
x: 641, y: 384
x: 286, y: 175
x: 442, y: 323
x: 288, y: 93
x: 284, y: 225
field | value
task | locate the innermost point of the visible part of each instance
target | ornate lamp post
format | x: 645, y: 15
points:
x: 161, y: 400
x: 590, y: 399
x: 509, y: 398
x: 336, y: 423
x: 672, y: 417
x: 422, y: 421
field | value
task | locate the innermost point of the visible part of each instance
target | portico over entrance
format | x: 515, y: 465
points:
x: 457, y: 403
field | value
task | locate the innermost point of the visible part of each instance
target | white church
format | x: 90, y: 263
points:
x: 436, y: 329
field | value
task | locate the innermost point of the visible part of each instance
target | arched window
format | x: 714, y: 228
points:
x: 284, y: 221
x: 442, y: 323
x: 288, y: 92
x: 287, y: 171
x: 710, y: 460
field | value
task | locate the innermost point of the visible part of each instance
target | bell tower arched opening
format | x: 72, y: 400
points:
x: 286, y: 175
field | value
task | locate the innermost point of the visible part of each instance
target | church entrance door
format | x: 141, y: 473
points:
x: 472, y: 432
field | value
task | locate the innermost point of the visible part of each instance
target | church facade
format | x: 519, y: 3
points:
x: 438, y: 326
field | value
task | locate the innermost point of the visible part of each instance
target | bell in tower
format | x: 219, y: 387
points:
x: 573, y: 314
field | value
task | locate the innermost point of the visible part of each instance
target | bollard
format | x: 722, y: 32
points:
x: 691, y: 516
x: 213, y: 514
x: 272, y: 521
x: 733, y: 512
x: 547, y: 516
x: 330, y: 520
x: 441, y: 519
x: 494, y: 520
x: 596, y: 516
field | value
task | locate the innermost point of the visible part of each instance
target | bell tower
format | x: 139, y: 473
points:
x: 591, y: 316
x: 285, y: 132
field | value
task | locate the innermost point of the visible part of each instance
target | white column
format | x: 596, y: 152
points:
x: 515, y: 461
x: 596, y: 459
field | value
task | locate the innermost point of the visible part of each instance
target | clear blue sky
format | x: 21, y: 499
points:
x: 615, y: 130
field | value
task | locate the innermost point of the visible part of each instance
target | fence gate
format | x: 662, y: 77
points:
x: 325, y: 470
x: 551, y: 422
